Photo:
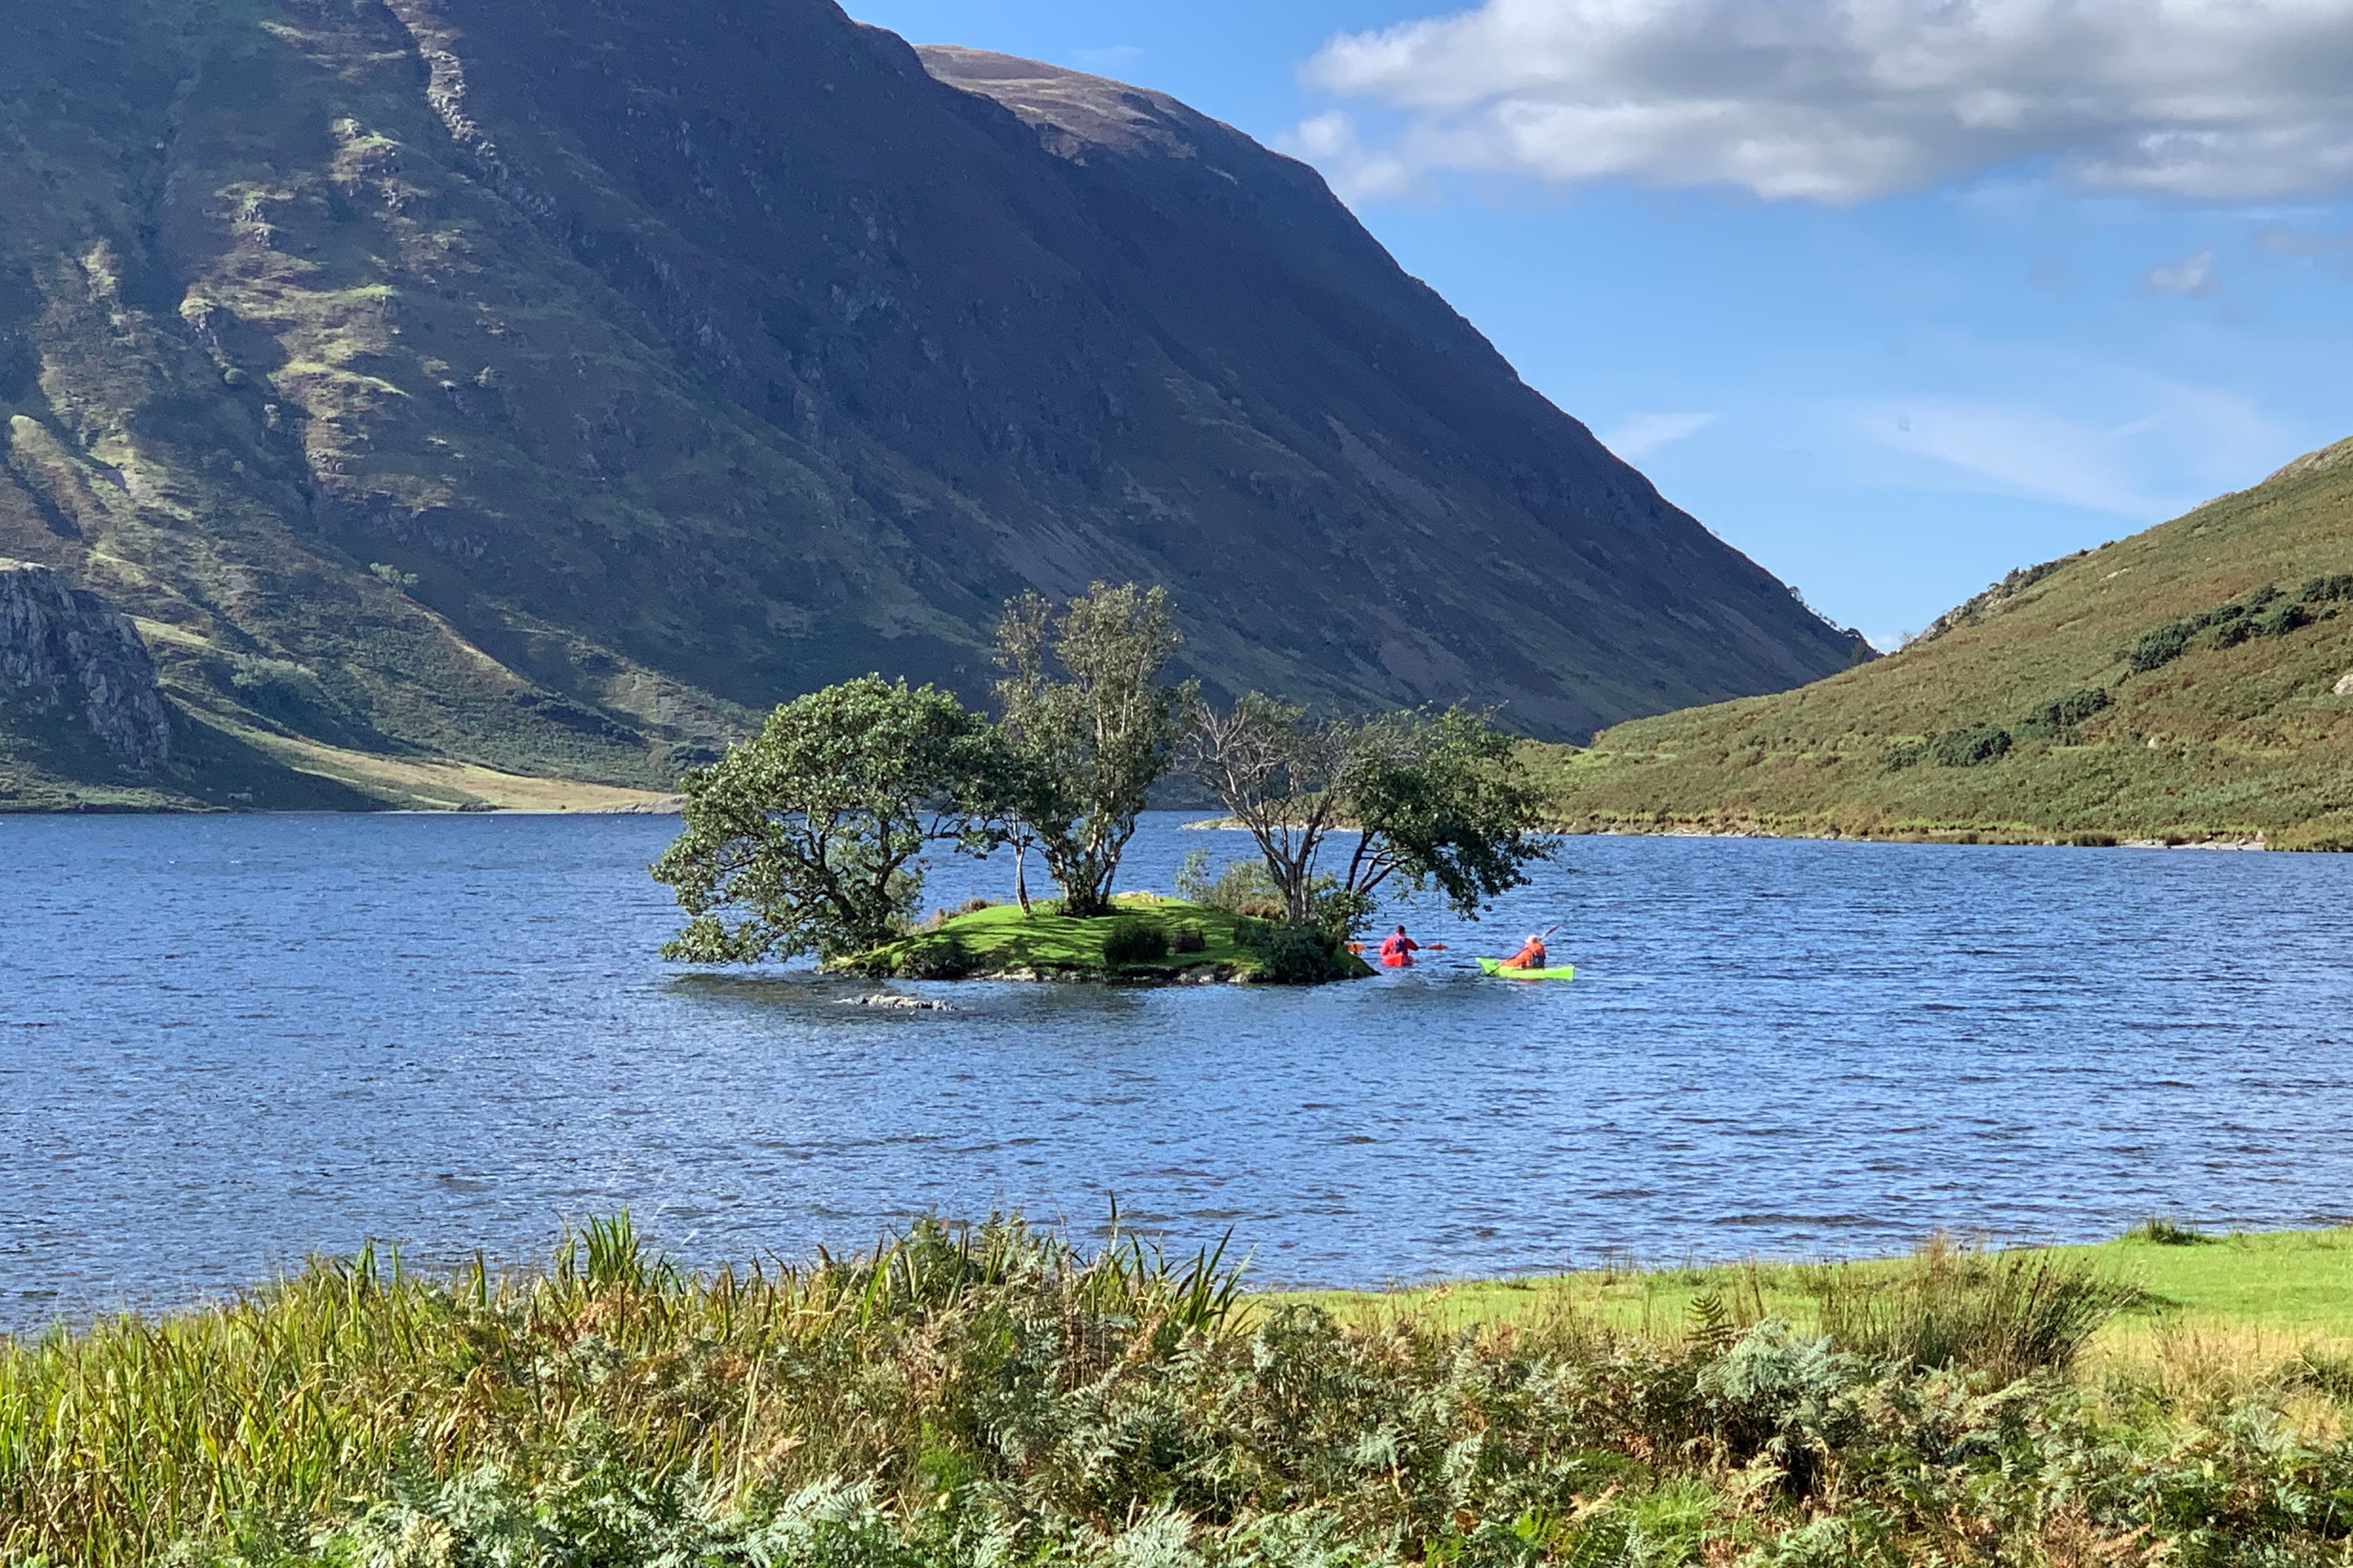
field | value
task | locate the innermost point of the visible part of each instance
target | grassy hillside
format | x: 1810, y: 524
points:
x: 2187, y: 683
x: 233, y: 268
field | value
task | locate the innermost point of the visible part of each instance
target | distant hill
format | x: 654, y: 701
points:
x: 550, y: 387
x: 2191, y: 683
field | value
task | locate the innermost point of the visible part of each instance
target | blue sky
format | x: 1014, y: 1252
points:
x: 1892, y: 296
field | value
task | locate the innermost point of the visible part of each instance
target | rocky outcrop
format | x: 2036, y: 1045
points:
x: 63, y: 648
x: 2319, y: 462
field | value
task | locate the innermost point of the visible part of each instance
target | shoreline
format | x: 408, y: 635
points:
x: 2286, y: 1281
x: 522, y: 796
x: 1112, y: 1404
x: 2002, y: 835
x: 2295, y: 1277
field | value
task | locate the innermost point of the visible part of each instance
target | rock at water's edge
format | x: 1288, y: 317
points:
x: 61, y: 647
x: 898, y: 1003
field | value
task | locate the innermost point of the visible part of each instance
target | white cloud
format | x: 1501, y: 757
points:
x: 1117, y: 57
x: 1330, y: 143
x: 2018, y: 451
x: 1643, y: 434
x: 2289, y: 241
x: 1842, y: 100
x: 2133, y: 470
x: 2192, y: 276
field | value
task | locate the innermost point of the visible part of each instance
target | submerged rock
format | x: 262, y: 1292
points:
x: 64, y: 648
x: 903, y: 1003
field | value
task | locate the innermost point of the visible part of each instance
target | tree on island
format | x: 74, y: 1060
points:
x: 808, y: 838
x: 1085, y: 747
x: 1432, y: 799
x: 1280, y: 776
x: 811, y: 829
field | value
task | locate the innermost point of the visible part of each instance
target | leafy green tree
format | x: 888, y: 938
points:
x: 1089, y: 726
x: 1432, y: 799
x: 1003, y: 787
x: 1284, y: 778
x: 809, y: 835
x: 1440, y: 800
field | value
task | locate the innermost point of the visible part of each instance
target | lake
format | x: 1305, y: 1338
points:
x: 226, y: 1042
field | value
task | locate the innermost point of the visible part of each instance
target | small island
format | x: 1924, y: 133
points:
x: 811, y: 836
x: 1148, y: 941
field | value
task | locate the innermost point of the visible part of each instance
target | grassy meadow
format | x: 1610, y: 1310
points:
x: 2182, y: 684
x: 2258, y: 1290
x: 995, y: 1396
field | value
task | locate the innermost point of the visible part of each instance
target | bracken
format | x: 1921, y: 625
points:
x: 992, y: 1394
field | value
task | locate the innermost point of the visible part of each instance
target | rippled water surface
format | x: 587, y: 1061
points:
x: 226, y: 1042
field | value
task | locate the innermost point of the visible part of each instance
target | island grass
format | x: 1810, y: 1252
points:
x: 1001, y: 941
x: 994, y: 1394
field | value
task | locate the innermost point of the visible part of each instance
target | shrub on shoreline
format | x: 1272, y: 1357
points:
x: 1296, y: 955
x: 1131, y: 942
x: 1239, y: 887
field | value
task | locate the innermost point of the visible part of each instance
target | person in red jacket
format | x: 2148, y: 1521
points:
x: 1532, y: 956
x: 1398, y: 949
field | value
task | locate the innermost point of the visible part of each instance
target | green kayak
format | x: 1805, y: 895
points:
x: 1495, y: 967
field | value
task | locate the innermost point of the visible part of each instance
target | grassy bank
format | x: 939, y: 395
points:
x: 992, y: 1397
x: 2262, y: 1290
x: 1149, y: 940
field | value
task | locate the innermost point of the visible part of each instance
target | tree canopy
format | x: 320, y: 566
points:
x: 1440, y: 800
x: 1433, y: 800
x: 1089, y: 726
x: 805, y: 838
x: 810, y: 837
x: 1284, y: 778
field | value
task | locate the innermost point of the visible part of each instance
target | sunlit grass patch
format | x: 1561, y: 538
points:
x: 2298, y: 1284
x: 1148, y: 936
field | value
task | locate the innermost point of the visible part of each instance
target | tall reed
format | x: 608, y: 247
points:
x: 2007, y: 1313
x: 283, y: 1403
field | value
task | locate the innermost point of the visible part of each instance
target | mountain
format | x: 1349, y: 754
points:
x: 2192, y: 683
x: 549, y: 386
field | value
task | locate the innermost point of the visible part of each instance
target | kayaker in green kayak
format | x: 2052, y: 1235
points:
x: 1532, y: 956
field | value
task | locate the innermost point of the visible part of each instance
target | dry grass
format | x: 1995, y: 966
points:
x: 116, y: 1443
x: 443, y: 783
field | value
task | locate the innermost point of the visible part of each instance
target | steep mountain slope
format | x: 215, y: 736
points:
x: 2193, y: 682
x: 549, y: 385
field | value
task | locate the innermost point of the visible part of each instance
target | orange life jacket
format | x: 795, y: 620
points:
x: 1529, y: 957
